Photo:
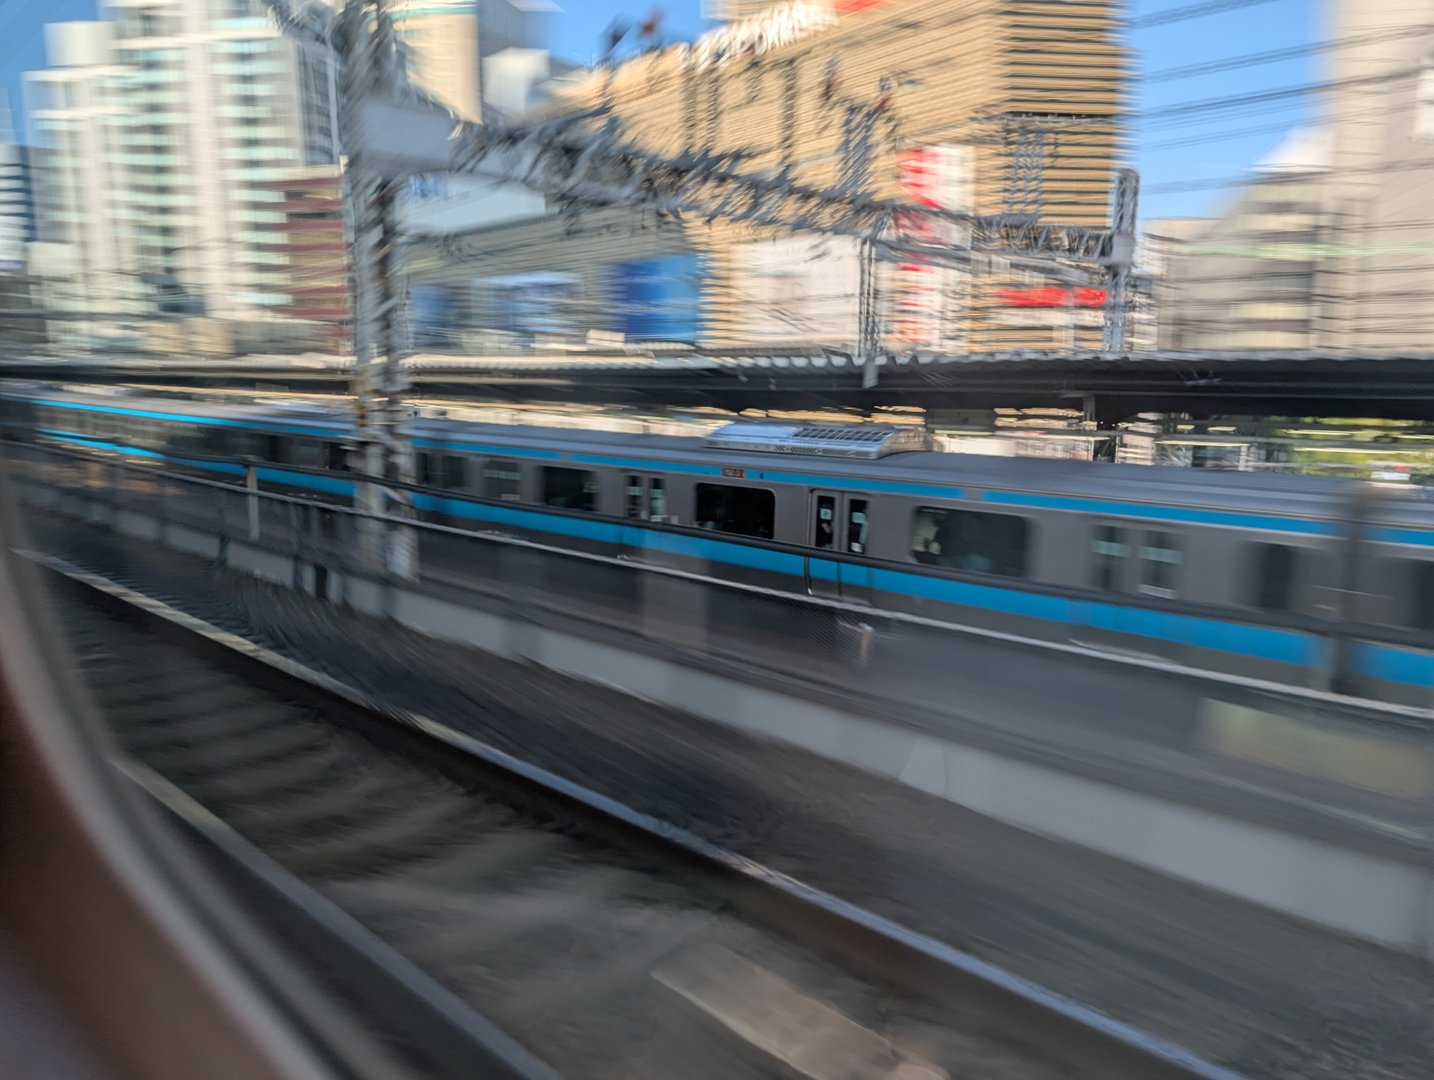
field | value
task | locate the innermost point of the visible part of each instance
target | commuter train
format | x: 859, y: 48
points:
x: 1314, y: 581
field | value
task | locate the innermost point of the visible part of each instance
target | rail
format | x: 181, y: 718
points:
x: 979, y: 994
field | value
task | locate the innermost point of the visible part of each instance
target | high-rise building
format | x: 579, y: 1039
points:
x: 86, y: 254
x: 157, y: 130
x: 729, y: 10
x: 1329, y: 245
x: 440, y: 43
x: 977, y: 106
x: 17, y: 207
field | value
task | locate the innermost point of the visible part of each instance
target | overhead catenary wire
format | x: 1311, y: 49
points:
x: 1192, y: 11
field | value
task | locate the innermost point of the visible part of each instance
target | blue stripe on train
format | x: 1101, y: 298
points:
x: 100, y: 444
x: 213, y: 421
x: 1390, y: 664
x: 1166, y: 513
x: 1421, y: 537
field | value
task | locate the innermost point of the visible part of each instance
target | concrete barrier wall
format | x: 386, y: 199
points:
x: 1377, y: 890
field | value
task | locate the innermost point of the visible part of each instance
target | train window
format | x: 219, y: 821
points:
x: 337, y: 460
x: 1110, y: 551
x: 856, y: 526
x: 970, y: 540
x: 304, y: 453
x: 502, y: 480
x: 1159, y: 559
x: 1421, y: 612
x: 438, y: 470
x: 657, y: 500
x: 741, y: 510
x: 824, y: 522
x: 1272, y: 577
x: 569, y: 489
x: 632, y: 497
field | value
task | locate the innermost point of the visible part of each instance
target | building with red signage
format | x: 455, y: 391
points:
x: 979, y: 106
x: 983, y: 106
x: 307, y: 243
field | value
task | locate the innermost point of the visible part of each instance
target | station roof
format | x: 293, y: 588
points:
x: 1109, y: 386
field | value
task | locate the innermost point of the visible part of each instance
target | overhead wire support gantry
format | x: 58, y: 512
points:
x: 390, y: 132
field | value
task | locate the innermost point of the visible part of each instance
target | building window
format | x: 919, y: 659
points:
x: 569, y: 489
x: 502, y: 480
x: 970, y: 540
x: 1424, y: 100
x: 741, y: 510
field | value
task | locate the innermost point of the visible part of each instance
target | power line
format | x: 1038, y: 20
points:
x: 1192, y: 11
x: 1274, y: 56
x: 1257, y: 97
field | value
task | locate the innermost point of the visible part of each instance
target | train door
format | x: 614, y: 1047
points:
x: 1139, y: 560
x: 838, y: 524
x: 645, y: 498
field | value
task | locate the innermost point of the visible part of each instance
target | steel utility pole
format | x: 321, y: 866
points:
x: 368, y: 59
x: 1119, y: 260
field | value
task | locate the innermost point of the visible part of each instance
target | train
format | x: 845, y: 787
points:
x: 1311, y: 581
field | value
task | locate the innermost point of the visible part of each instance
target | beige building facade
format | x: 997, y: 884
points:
x: 977, y: 106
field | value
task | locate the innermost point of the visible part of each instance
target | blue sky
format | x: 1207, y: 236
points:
x: 1175, y: 177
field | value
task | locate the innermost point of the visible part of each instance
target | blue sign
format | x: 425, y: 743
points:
x: 659, y: 299
x: 432, y: 314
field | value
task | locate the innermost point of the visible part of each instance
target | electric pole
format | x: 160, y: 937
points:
x: 369, y: 59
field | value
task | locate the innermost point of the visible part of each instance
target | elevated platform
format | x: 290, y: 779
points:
x: 1106, y: 387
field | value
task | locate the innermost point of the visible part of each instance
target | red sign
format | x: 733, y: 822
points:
x: 1049, y: 296
x: 852, y: 7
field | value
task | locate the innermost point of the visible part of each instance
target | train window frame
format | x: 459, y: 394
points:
x: 1110, y: 551
x: 858, y: 532
x: 304, y: 454
x: 633, y: 503
x: 1151, y: 560
x: 703, y: 489
x: 439, y: 470
x: 970, y: 518
x: 1260, y: 574
x: 505, y: 469
x: 587, y: 497
x: 1422, y: 578
x: 657, y: 499
x: 824, y: 513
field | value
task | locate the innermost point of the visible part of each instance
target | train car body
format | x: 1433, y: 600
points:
x: 1310, y: 581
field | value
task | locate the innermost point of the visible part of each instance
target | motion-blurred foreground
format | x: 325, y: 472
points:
x: 716, y: 541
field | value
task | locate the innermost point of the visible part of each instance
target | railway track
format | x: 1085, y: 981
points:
x: 607, y: 943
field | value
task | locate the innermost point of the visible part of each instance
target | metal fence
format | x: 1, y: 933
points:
x: 1300, y: 757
